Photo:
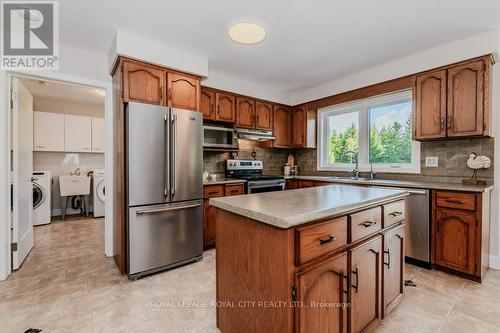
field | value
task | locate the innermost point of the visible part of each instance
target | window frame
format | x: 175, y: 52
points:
x: 362, y: 106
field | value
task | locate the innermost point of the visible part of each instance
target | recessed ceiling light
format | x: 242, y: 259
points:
x: 247, y: 33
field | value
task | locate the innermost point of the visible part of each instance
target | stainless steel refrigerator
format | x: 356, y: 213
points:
x: 164, y: 162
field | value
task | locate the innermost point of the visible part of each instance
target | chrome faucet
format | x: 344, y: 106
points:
x: 372, y: 173
x: 356, y: 169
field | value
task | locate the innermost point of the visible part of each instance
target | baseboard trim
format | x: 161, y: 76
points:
x: 495, y: 262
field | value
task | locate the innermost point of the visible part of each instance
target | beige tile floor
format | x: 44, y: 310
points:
x: 67, y: 285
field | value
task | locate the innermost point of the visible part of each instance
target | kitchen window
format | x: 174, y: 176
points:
x: 378, y: 129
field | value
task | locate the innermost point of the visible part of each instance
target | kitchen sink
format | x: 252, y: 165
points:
x: 350, y: 178
x: 74, y: 185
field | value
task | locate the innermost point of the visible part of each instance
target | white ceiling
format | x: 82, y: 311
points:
x: 64, y: 91
x: 308, y: 42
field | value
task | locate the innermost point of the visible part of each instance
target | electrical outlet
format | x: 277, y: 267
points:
x: 431, y: 161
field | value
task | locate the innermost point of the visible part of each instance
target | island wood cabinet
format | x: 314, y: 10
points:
x: 460, y: 232
x: 366, y: 285
x: 325, y: 281
x: 454, y: 101
x: 393, y: 265
x: 209, y: 212
x: 152, y: 84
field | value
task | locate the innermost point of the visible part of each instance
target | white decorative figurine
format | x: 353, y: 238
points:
x: 478, y: 162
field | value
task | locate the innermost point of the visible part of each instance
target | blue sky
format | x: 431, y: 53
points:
x: 383, y: 116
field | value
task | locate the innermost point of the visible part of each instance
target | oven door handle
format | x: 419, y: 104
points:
x: 266, y: 183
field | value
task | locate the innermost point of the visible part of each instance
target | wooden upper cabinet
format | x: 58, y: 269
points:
x: 281, y: 123
x: 465, y: 99
x: 324, y: 283
x: 207, y: 103
x: 245, y: 112
x: 299, y: 126
x: 225, y: 106
x: 393, y: 267
x: 430, y: 108
x: 183, y: 91
x: 142, y: 83
x: 455, y: 240
x: 263, y: 116
x: 366, y: 285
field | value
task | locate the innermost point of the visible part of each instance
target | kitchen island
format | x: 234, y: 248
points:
x: 324, y: 259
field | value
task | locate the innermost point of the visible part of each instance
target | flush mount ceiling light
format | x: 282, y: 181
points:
x: 247, y: 33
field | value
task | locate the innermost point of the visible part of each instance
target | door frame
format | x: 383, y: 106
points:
x: 5, y: 215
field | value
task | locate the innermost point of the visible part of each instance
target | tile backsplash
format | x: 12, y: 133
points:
x: 452, y: 155
x: 273, y: 159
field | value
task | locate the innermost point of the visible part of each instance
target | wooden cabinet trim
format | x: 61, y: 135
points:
x: 181, y: 96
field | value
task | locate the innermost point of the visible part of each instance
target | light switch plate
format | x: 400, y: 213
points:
x: 431, y: 161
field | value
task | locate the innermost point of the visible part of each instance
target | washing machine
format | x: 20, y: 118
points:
x: 42, y: 185
x: 99, y: 192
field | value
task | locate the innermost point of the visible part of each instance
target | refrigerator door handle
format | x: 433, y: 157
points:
x: 159, y: 210
x: 174, y: 152
x: 167, y: 152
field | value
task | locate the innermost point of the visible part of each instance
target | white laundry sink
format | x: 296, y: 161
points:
x: 74, y: 185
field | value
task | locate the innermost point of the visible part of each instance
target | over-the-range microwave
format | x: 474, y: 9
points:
x: 219, y: 137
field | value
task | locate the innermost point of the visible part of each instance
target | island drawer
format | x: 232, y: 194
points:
x: 236, y: 189
x: 394, y: 213
x: 365, y: 223
x: 463, y: 201
x: 315, y: 240
x: 213, y: 191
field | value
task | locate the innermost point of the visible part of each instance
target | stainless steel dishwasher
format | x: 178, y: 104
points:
x: 418, y: 228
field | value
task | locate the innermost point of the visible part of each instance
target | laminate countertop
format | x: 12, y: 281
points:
x: 286, y: 209
x: 398, y: 183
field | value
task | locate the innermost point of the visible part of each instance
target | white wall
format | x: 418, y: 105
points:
x: 241, y: 86
x: 57, y: 105
x: 456, y: 51
x: 151, y: 51
x: 495, y: 226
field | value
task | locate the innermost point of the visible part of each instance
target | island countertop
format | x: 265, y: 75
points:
x: 286, y: 209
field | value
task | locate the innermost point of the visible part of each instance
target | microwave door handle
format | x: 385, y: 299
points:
x: 174, y: 152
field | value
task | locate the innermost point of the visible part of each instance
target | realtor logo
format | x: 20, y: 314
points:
x: 30, y: 35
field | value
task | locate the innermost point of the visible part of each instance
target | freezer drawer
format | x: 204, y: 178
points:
x: 163, y: 236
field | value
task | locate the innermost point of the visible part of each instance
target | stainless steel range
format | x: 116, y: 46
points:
x: 251, y: 171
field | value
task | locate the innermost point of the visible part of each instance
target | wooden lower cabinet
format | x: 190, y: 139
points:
x: 460, y: 232
x: 320, y: 285
x: 455, y: 240
x: 210, y: 212
x: 393, y: 272
x: 366, y: 284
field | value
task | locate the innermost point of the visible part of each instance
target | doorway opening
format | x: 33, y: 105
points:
x: 58, y: 179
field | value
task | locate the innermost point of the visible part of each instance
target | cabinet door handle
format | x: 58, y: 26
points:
x: 388, y: 263
x: 348, y: 282
x: 396, y: 213
x: 213, y: 192
x: 368, y: 223
x: 170, y: 94
x: 442, y: 124
x: 449, y: 122
x: 356, y: 286
x: 327, y: 239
